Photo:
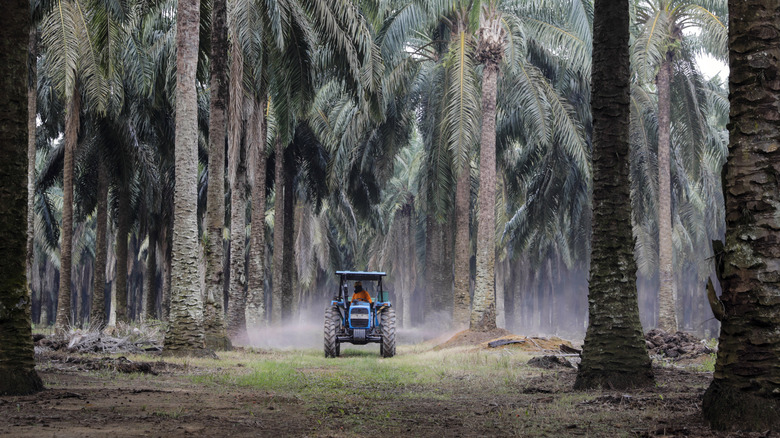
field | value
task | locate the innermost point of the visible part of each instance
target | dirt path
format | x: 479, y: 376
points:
x: 195, y: 400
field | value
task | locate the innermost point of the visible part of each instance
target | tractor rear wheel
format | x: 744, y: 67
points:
x: 332, y: 325
x: 387, y: 319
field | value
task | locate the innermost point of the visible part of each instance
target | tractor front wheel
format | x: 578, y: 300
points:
x: 387, y: 319
x: 332, y: 324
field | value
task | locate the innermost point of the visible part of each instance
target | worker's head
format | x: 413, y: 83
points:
x: 358, y: 286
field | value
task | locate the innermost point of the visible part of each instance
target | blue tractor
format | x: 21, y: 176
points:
x: 360, y: 319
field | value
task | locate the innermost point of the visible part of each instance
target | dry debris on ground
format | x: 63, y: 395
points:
x: 675, y: 346
x: 114, y: 340
x: 551, y: 352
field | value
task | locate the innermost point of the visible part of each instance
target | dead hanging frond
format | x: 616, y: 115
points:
x: 236, y: 106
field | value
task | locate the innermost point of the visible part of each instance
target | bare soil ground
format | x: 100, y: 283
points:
x: 465, y: 390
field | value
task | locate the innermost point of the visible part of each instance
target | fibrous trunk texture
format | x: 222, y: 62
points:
x: 185, y: 328
x: 614, y: 354
x: 122, y: 235
x: 407, y: 271
x: 97, y: 318
x: 744, y: 391
x: 412, y: 257
x: 255, y: 300
x: 483, y: 312
x: 236, y: 316
x: 500, y: 274
x: 32, y: 108
x: 17, y: 366
x: 214, y: 321
x: 438, y: 278
x: 150, y: 288
x: 288, y: 264
x: 461, y: 308
x: 66, y: 234
x: 166, y: 242
x: 667, y: 294
x: 278, y: 259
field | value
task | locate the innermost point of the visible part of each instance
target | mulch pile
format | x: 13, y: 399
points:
x: 675, y: 346
x: 501, y: 339
x: 83, y: 341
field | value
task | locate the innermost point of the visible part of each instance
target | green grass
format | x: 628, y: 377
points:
x: 308, y: 370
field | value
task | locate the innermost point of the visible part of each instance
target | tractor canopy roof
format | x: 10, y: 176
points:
x: 361, y: 275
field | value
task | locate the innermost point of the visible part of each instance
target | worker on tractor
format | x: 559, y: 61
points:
x: 360, y: 294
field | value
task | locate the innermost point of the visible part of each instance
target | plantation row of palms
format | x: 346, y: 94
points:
x: 375, y: 111
x: 367, y: 140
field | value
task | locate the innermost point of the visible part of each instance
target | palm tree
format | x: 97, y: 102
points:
x: 345, y: 47
x: 32, y: 112
x: 398, y: 255
x: 534, y: 112
x: 741, y: 395
x: 73, y: 58
x: 97, y: 314
x: 698, y: 150
x: 277, y: 296
x: 237, y: 176
x: 614, y: 353
x: 462, y: 126
x: 257, y: 138
x: 16, y: 348
x: 659, y: 46
x: 185, y: 332
x: 461, y: 308
x: 215, y: 213
x: 489, y: 52
x: 71, y: 135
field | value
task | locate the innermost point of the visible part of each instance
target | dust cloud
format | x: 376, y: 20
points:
x: 306, y: 332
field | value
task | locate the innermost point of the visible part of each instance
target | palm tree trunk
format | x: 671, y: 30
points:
x: 519, y: 286
x: 111, y: 273
x: 288, y: 264
x: 614, y: 353
x: 462, y: 294
x: 48, y: 291
x: 185, y: 330
x: 500, y: 272
x: 165, y: 249
x: 407, y: 258
x: 32, y: 110
x: 214, y: 322
x: 16, y: 347
x: 150, y: 288
x: 97, y: 317
x: 122, y: 235
x: 236, y: 326
x: 483, y: 313
x: 255, y: 302
x: 667, y: 295
x: 236, y: 315
x: 743, y: 393
x: 438, y: 283
x: 276, y: 294
x: 66, y: 244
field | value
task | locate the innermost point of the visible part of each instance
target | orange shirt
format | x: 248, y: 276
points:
x: 361, y: 296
